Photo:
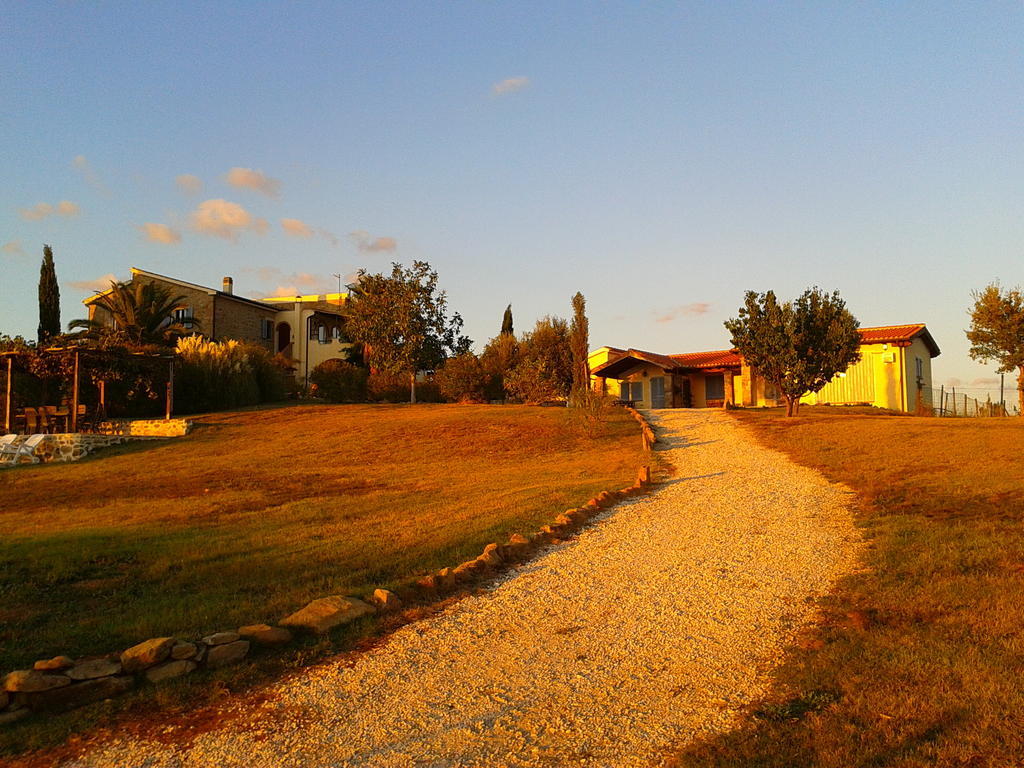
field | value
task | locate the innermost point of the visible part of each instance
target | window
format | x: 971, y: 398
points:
x: 183, y: 315
x: 321, y: 334
x: 636, y: 390
x: 266, y: 328
x: 920, y: 369
x: 714, y: 387
x: 336, y: 333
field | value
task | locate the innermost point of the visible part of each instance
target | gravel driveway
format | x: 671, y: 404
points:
x: 651, y: 628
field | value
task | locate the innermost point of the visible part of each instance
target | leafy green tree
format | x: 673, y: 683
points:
x: 579, y: 343
x: 402, y: 322
x: 543, y: 371
x: 798, y: 346
x: 49, y: 298
x: 462, y: 379
x: 997, y: 332
x: 142, y: 313
x: 506, y: 322
x: 498, y: 359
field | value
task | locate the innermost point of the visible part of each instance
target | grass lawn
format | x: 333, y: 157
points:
x: 257, y: 512
x: 918, y: 659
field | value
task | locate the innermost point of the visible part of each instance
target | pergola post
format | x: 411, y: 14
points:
x: 102, y: 407
x: 170, y: 390
x: 74, y: 397
x: 7, y: 398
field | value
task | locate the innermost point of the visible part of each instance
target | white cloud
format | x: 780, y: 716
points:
x: 510, y: 85
x: 953, y: 381
x: 368, y: 244
x: 330, y: 237
x: 189, y: 184
x: 13, y: 248
x: 295, y: 283
x: 686, y: 310
x: 42, y: 210
x: 94, y: 286
x: 82, y: 165
x: 221, y: 218
x: 296, y: 228
x: 257, y: 180
x: 160, y: 233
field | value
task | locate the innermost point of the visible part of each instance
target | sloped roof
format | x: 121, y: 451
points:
x: 895, y: 334
x: 184, y: 284
x: 630, y: 358
x: 722, y: 358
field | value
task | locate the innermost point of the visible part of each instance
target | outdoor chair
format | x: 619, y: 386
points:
x: 31, y: 421
x: 7, y: 445
x: 26, y: 449
x: 44, y: 421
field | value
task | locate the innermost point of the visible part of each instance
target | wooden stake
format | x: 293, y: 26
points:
x: 7, y: 398
x: 74, y: 397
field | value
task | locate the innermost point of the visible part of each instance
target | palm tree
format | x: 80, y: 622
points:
x: 141, y: 312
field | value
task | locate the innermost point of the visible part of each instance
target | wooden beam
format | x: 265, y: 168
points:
x: 7, y: 399
x: 170, y: 391
x: 74, y: 397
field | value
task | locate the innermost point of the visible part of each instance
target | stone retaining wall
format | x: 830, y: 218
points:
x: 145, y: 427
x: 64, y: 447
x: 61, y: 683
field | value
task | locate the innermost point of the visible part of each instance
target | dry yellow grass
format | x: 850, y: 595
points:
x: 917, y: 660
x: 257, y: 512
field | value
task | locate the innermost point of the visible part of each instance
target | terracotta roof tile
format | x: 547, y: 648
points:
x: 722, y: 358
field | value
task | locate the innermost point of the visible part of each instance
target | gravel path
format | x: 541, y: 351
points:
x: 650, y: 629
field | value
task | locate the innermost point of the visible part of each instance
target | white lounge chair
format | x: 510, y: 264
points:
x: 14, y: 452
x: 7, y: 445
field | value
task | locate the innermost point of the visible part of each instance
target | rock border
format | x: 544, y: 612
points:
x: 62, y: 683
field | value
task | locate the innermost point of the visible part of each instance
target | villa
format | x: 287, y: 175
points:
x: 894, y: 369
x: 306, y: 330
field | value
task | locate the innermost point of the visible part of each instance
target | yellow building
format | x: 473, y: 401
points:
x: 309, y: 330
x: 895, y: 366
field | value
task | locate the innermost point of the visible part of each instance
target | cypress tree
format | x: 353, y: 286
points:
x: 49, y: 298
x: 506, y: 322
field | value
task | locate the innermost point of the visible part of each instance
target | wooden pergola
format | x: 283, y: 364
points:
x: 77, y: 353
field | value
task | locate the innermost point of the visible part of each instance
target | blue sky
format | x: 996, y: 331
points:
x: 662, y: 158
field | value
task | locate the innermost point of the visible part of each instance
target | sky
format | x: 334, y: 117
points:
x: 662, y: 158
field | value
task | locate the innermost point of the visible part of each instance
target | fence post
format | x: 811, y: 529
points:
x: 942, y: 400
x: 954, y: 400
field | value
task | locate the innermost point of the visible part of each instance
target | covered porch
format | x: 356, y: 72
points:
x: 716, y: 379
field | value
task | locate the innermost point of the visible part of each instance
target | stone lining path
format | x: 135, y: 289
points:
x: 653, y: 627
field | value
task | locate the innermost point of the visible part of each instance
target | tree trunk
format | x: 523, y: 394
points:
x: 1020, y: 391
x: 790, y: 405
x: 412, y: 387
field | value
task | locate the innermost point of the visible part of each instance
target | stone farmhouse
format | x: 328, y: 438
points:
x: 894, y: 370
x: 305, y: 329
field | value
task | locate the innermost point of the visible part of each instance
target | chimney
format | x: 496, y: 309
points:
x: 229, y: 285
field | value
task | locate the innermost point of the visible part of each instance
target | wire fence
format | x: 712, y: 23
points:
x: 949, y: 402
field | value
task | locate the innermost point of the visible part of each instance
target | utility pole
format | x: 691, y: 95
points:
x: 335, y: 274
x: 1002, y: 402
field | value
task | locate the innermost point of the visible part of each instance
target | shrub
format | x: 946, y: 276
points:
x: 212, y: 376
x: 462, y: 380
x: 388, y: 388
x: 340, y: 382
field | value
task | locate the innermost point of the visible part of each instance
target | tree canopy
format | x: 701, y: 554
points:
x: 402, y: 322
x: 800, y: 345
x: 49, y: 298
x: 142, y: 313
x: 997, y: 332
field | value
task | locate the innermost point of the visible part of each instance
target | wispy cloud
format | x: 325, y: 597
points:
x: 13, y: 248
x: 247, y: 178
x: 953, y: 381
x: 510, y: 85
x: 368, y: 244
x: 189, y: 184
x: 294, y: 283
x: 160, y: 233
x: 82, y: 165
x: 94, y: 286
x: 42, y: 210
x: 991, y: 381
x: 330, y: 237
x: 221, y: 218
x: 296, y: 228
x: 686, y: 310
